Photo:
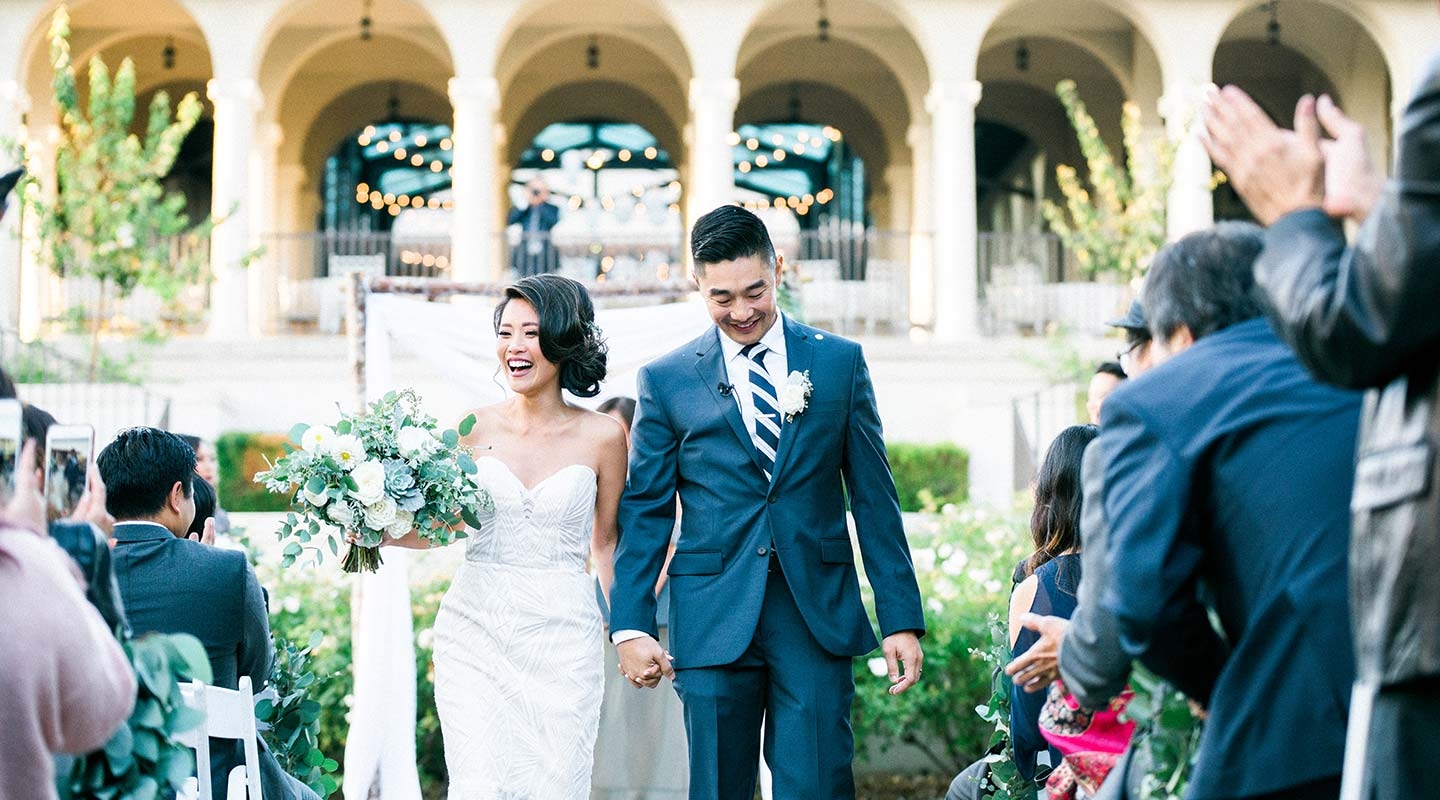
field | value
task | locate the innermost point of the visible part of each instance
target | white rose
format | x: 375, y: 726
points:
x: 380, y: 514
x: 316, y: 439
x: 404, y: 522
x: 369, y: 480
x: 341, y: 515
x: 317, y: 499
x: 348, y: 451
x: 414, y: 442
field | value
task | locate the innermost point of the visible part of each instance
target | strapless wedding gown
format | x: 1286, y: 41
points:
x: 519, y: 652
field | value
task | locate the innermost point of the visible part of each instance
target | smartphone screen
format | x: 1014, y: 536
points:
x: 68, y: 449
x: 10, y: 440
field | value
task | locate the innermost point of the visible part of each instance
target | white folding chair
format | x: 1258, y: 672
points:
x: 229, y: 714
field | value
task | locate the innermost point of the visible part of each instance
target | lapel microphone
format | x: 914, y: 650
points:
x: 725, y: 389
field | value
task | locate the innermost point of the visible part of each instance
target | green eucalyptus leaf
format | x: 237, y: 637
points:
x: 467, y: 425
x: 450, y: 438
x: 297, y: 433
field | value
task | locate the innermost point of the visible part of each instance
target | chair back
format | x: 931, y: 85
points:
x: 229, y: 714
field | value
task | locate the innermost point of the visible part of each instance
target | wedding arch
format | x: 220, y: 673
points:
x: 446, y: 326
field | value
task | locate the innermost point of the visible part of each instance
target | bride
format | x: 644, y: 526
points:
x: 519, y: 652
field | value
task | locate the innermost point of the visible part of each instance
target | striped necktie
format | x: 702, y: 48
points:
x: 766, y: 431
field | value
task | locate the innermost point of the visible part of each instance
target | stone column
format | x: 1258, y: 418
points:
x: 237, y: 102
x: 922, y: 226
x: 952, y: 118
x: 475, y: 232
x: 712, y: 169
x: 1190, y: 206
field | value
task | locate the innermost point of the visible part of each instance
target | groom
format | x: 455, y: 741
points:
x: 765, y: 428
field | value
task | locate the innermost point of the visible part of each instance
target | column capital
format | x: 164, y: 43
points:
x: 706, y: 90
x: 953, y: 92
x: 484, y: 91
x: 239, y: 91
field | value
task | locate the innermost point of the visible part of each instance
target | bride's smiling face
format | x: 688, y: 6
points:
x: 517, y: 347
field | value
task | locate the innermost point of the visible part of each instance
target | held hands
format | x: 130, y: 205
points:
x: 1039, y: 666
x: 903, y: 650
x: 643, y: 661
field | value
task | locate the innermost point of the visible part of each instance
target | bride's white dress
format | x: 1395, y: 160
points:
x: 519, y: 652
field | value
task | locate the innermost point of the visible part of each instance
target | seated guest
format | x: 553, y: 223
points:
x: 1106, y: 379
x: 1052, y: 578
x: 173, y: 585
x: 68, y: 684
x: 1228, y: 467
x: 207, y: 466
x: 202, y: 527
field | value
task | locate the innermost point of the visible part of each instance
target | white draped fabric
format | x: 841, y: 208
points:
x: 456, y: 341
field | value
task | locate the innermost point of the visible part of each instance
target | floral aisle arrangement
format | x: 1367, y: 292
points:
x: 384, y: 473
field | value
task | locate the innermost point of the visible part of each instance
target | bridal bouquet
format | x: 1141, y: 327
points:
x: 383, y: 473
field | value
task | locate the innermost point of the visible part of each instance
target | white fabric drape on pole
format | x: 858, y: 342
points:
x: 455, y: 340
x: 380, y: 750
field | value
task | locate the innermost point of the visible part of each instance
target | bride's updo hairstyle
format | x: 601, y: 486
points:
x: 568, y: 336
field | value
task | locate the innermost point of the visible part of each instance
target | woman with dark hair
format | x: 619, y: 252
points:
x: 1053, y: 575
x: 207, y: 468
x: 519, y: 648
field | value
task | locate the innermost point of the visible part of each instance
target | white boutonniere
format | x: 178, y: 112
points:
x: 795, y: 396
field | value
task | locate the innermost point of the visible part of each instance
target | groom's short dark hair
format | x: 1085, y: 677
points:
x: 728, y: 233
x: 139, y: 469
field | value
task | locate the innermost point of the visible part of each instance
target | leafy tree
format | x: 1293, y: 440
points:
x: 108, y: 216
x: 1119, y: 222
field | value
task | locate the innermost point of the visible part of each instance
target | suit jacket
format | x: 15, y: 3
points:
x: 1092, y: 663
x: 173, y: 585
x: 1365, y: 317
x: 689, y: 438
x: 1230, y: 464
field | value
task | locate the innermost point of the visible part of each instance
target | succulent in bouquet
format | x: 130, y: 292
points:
x: 369, y: 476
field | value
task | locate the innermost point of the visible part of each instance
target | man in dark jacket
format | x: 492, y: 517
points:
x: 1238, y: 483
x: 1365, y: 316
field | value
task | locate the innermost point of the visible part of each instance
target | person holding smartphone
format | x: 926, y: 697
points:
x: 68, y: 684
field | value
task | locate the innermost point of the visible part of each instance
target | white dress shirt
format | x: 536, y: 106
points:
x: 737, y: 372
x: 737, y: 368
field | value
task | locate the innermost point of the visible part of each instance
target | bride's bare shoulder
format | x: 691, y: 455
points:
x: 487, y: 419
x: 603, y: 429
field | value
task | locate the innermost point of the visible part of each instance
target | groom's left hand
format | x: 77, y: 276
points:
x: 902, y: 650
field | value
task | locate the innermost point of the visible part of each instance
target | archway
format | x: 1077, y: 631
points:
x: 1278, y: 51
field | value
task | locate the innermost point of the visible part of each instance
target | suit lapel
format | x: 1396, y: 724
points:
x: 799, y: 352
x: 711, y: 368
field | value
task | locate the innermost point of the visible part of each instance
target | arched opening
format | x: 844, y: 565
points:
x: 170, y: 54
x: 595, y: 157
x: 828, y: 164
x: 1279, y: 51
x: 1023, y: 134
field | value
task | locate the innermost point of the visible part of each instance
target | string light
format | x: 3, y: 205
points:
x: 436, y: 166
x: 779, y: 155
x: 744, y: 166
x: 446, y: 144
x: 417, y: 160
x: 733, y: 139
x: 624, y: 155
x: 382, y: 146
x: 761, y: 161
x: 651, y: 153
x: 421, y: 140
x: 547, y: 155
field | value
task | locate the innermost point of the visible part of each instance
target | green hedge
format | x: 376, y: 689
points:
x: 241, y: 455
x: 929, y: 476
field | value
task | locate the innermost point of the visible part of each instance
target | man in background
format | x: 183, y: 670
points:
x: 535, y: 253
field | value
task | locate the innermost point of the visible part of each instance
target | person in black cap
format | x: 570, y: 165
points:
x: 1135, y: 357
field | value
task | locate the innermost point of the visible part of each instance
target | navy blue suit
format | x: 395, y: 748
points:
x: 1229, y: 466
x: 747, y: 638
x: 174, y: 585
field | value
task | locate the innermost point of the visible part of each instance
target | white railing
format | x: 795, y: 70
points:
x: 1029, y: 283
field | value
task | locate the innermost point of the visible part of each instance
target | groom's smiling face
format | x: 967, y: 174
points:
x: 740, y: 296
